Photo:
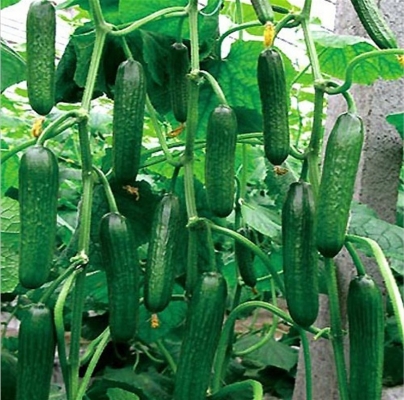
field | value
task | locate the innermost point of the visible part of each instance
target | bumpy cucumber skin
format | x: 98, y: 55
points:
x: 128, y: 116
x: 202, y: 331
x: 300, y: 257
x: 375, y: 24
x: 38, y: 194
x: 179, y: 65
x: 36, y: 350
x: 220, y: 155
x: 337, y: 183
x: 160, y: 269
x: 274, y: 105
x: 245, y: 259
x: 366, y: 339
x: 121, y: 265
x: 41, y: 34
x: 263, y: 10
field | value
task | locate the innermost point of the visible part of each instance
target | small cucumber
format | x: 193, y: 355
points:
x: 366, y: 339
x: 41, y: 34
x: 38, y: 195
x: 121, y: 264
x: 245, y: 259
x: 220, y: 159
x: 300, y: 258
x: 8, y: 375
x: 179, y: 65
x: 160, y: 269
x: 274, y: 104
x: 127, y: 123
x: 36, y: 351
x: 202, y: 331
x: 375, y: 24
x: 337, y: 183
x: 263, y: 11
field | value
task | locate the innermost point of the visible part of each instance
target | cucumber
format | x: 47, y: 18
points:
x: 274, y: 105
x: 8, y: 375
x: 36, y: 351
x: 300, y: 258
x: 127, y: 123
x: 41, y: 34
x: 245, y: 259
x: 375, y: 24
x: 121, y: 264
x: 220, y: 159
x: 263, y: 11
x: 160, y: 268
x: 366, y: 338
x: 38, y: 195
x: 179, y: 65
x: 337, y: 183
x: 202, y: 331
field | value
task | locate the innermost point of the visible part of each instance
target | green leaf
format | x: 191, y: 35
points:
x: 364, y: 222
x: 8, y: 3
x: 248, y: 389
x: 10, y: 232
x: 338, y: 50
x: 12, y: 66
x: 273, y: 353
x: 398, y: 121
x: 9, y: 173
x: 120, y: 394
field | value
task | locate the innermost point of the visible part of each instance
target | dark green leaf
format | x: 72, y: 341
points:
x: 398, y: 121
x: 12, y: 66
x: 120, y: 394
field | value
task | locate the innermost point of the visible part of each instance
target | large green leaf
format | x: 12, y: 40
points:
x: 398, y: 121
x: 12, y: 66
x: 336, y: 51
x: 10, y: 233
x: 8, y: 3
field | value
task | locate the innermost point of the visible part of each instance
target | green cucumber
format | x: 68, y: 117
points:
x: 179, y: 65
x: 36, y: 351
x: 127, y: 124
x: 202, y: 331
x: 41, y: 34
x: 121, y: 264
x: 38, y: 195
x: 375, y: 24
x: 274, y: 105
x: 8, y: 375
x: 337, y: 183
x: 263, y: 11
x: 245, y: 259
x: 366, y: 339
x: 220, y: 159
x: 160, y: 268
x: 300, y: 258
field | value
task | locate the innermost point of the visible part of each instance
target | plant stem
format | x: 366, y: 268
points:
x: 166, y: 355
x: 388, y: 277
x: 360, y: 268
x: 93, y: 363
x: 355, y: 62
x: 215, y: 86
x: 108, y: 191
x: 336, y: 327
x: 307, y: 363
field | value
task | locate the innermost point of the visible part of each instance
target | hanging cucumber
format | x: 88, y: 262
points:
x: 36, y: 350
x: 337, y: 183
x: 263, y: 11
x: 179, y: 65
x: 41, y: 33
x: 245, y: 259
x: 128, y: 116
x: 120, y: 258
x: 366, y: 339
x: 202, y: 331
x: 219, y: 160
x: 300, y: 258
x: 274, y: 105
x: 160, y: 269
x: 8, y: 375
x: 37, y: 195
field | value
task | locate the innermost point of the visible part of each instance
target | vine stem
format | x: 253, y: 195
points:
x: 307, y: 363
x: 336, y: 327
x: 388, y: 277
x: 166, y: 355
x: 108, y: 191
x: 355, y: 62
x: 215, y: 86
x: 360, y: 268
x: 222, y: 349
